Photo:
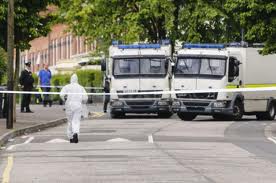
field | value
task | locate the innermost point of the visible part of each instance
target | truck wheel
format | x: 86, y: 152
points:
x: 186, y: 116
x: 116, y: 115
x: 238, y: 110
x: 269, y: 115
x: 165, y: 115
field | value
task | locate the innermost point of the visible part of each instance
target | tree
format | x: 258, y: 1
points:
x: 258, y: 19
x: 129, y: 21
x: 207, y: 22
x: 29, y: 21
x: 3, y: 64
x: 215, y: 21
x: 147, y: 20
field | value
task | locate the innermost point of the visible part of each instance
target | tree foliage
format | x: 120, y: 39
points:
x: 129, y: 21
x: 149, y: 20
x: 3, y: 64
x: 258, y: 18
x: 29, y: 23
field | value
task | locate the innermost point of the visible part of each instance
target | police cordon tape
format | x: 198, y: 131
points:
x: 156, y: 92
x: 93, y: 88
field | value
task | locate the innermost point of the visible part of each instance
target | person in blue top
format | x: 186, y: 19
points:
x: 44, y: 80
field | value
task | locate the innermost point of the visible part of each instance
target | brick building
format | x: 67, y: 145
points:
x: 60, y: 49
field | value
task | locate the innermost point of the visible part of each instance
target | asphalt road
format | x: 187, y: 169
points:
x: 145, y: 149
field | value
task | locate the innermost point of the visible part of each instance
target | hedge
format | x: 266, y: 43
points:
x: 86, y: 78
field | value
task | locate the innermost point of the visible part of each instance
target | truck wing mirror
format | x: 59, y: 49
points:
x: 237, y: 62
x: 237, y: 71
x: 103, y: 65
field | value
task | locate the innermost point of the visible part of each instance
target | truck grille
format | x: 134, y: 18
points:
x: 199, y: 109
x: 196, y: 104
x: 140, y: 104
x: 197, y: 95
x: 140, y: 95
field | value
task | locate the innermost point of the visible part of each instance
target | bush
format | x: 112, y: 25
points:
x: 90, y: 78
x: 87, y: 78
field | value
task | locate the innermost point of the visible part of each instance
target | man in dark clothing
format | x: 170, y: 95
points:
x: 106, y: 90
x: 26, y: 80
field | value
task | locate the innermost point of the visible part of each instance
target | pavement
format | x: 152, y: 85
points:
x: 40, y: 119
x: 145, y: 149
x: 41, y: 114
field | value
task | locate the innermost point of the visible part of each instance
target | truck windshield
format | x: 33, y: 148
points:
x: 140, y: 66
x: 126, y: 67
x: 200, y: 66
x: 152, y: 66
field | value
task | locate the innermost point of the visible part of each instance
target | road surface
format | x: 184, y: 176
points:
x: 145, y: 149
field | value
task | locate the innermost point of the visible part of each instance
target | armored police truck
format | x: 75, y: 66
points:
x: 139, y: 68
x: 210, y: 66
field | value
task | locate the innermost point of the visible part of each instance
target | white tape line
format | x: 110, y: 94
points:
x: 87, y: 87
x: 157, y: 92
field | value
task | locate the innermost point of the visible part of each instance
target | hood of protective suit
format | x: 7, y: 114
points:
x: 74, y: 79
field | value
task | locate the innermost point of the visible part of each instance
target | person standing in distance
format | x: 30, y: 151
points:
x: 26, y: 80
x: 107, y: 91
x: 75, y: 96
x: 44, y: 80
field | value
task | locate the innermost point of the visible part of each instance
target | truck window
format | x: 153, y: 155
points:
x: 126, y: 67
x: 215, y: 67
x: 152, y: 66
x: 187, y: 66
x: 140, y: 66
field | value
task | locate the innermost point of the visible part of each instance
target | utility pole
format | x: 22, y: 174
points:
x: 10, y: 46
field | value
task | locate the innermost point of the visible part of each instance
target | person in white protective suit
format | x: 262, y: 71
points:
x: 75, y: 96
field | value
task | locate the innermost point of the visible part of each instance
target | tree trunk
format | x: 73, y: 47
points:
x: 16, y: 78
x: 10, y: 46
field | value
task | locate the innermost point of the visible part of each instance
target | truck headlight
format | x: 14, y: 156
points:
x: 220, y: 104
x: 117, y: 103
x: 163, y: 103
x: 176, y: 103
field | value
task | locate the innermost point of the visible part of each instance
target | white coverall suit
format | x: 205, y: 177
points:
x: 73, y: 105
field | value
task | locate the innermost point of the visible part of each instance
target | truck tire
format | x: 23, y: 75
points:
x: 269, y: 115
x: 165, y: 114
x: 238, y: 110
x: 186, y: 116
x: 117, y: 115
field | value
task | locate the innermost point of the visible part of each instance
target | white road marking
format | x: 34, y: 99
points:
x: 272, y: 140
x: 150, y: 139
x: 10, y: 147
x: 118, y: 140
x: 24, y: 136
x: 57, y: 141
x: 29, y: 140
x: 11, y: 140
x: 26, y: 142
